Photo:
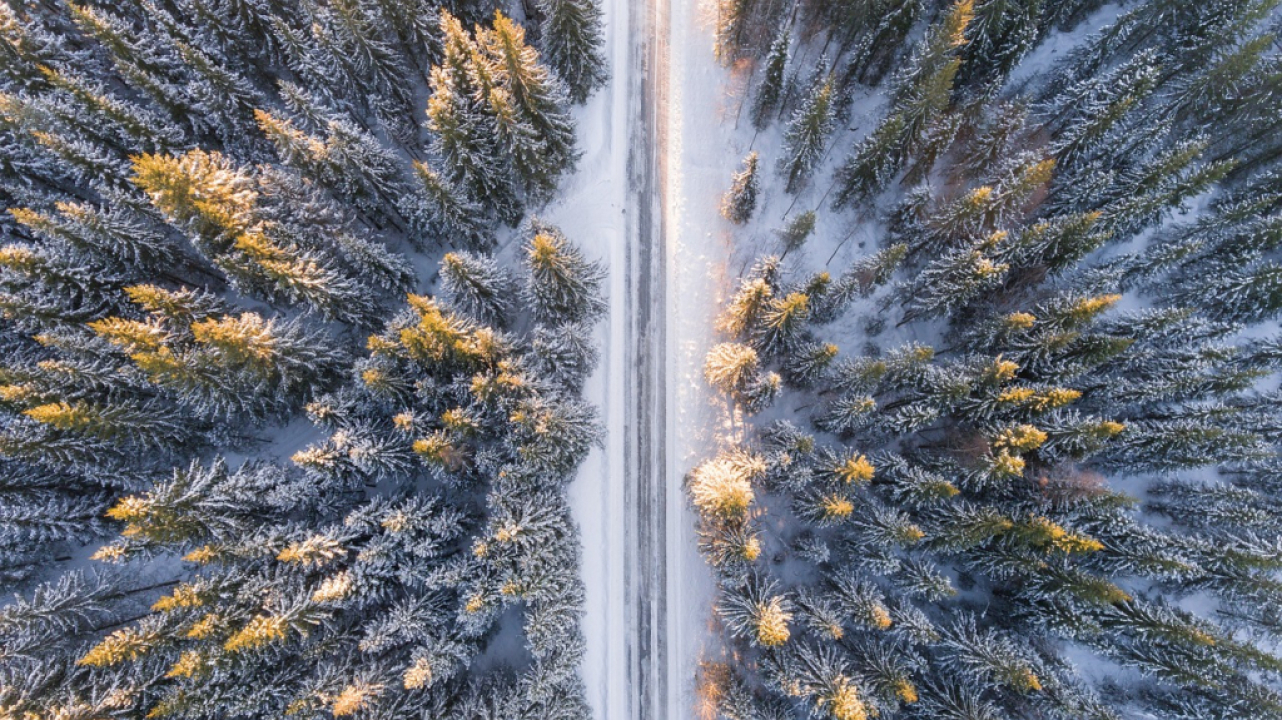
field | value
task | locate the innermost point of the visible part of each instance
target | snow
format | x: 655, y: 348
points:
x: 590, y: 211
x: 700, y: 157
x: 705, y: 133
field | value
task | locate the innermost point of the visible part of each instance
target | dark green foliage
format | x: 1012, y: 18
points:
x: 208, y: 204
x: 573, y: 44
x: 1054, y: 435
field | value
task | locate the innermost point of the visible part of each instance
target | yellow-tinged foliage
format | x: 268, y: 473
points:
x: 880, y: 617
x: 788, y: 310
x: 772, y: 623
x: 544, y: 251
x: 313, y: 551
x: 1055, y: 398
x: 16, y: 257
x: 259, y: 631
x: 438, y: 336
x: 354, y: 698
x: 120, y: 646
x: 159, y: 364
x: 379, y: 345
x: 1020, y: 438
x: 201, y: 187
x: 183, y: 596
x: 437, y: 449
x: 1038, y: 402
x: 906, y: 691
x: 909, y: 534
x: 333, y: 588
x: 315, y: 457
x: 154, y: 298
x: 18, y: 393
x: 751, y: 299
x: 202, y: 555
x: 752, y: 549
x: 723, y: 486
x: 396, y: 521
x: 190, y: 664
x: 109, y: 553
x: 856, y: 469
x: 62, y: 415
x: 979, y: 196
x: 1005, y: 465
x: 246, y: 338
x: 837, y: 507
x: 1106, y: 429
x: 1087, y: 308
x: 1000, y: 371
x: 206, y: 627
x: 1044, y: 533
x: 460, y: 420
x: 730, y: 366
x: 1019, y: 321
x: 419, y: 674
x: 1016, y: 395
x: 843, y: 701
x: 1025, y: 680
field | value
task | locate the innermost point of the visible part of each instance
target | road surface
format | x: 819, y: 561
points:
x: 648, y: 593
x: 645, y: 451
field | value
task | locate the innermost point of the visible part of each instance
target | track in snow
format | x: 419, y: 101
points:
x: 647, y: 590
x: 645, y: 386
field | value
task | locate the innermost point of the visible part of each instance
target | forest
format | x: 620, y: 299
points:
x: 320, y: 332
x: 1018, y: 461
x: 284, y: 430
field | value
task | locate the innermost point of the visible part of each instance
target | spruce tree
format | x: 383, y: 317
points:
x: 807, y: 133
x: 741, y: 199
x: 770, y: 91
x: 573, y: 41
x: 562, y: 286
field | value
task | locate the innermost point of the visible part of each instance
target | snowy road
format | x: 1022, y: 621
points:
x: 648, y: 593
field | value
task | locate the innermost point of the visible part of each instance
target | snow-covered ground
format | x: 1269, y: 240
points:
x: 591, y: 212
x: 700, y: 154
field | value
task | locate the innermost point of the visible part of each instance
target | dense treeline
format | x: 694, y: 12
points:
x: 1060, y: 500
x: 211, y: 205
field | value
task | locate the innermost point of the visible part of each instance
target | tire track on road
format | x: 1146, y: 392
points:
x: 646, y: 388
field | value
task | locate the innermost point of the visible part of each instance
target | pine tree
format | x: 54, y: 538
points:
x: 783, y: 323
x: 477, y: 286
x: 955, y: 280
x: 807, y: 133
x: 450, y: 210
x: 770, y: 92
x: 562, y: 286
x: 740, y: 200
x: 572, y: 42
x: 732, y: 25
x: 730, y: 367
x: 464, y: 133
x: 538, y: 102
x: 758, y: 612
x: 1002, y: 32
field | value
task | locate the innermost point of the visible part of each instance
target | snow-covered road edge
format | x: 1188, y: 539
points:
x: 697, y: 161
x: 591, y: 211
